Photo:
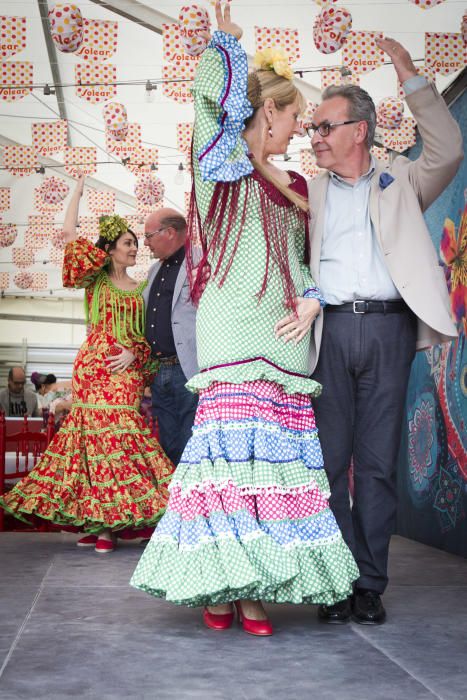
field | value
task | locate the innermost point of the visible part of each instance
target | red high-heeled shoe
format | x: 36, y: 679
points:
x: 217, y: 622
x: 260, y: 628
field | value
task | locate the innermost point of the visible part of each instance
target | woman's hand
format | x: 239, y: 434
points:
x: 295, y: 326
x: 120, y: 363
x: 224, y: 23
x: 80, y: 183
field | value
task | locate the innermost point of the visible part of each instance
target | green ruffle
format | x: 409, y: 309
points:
x: 251, y: 477
x: 252, y: 371
x: 258, y: 569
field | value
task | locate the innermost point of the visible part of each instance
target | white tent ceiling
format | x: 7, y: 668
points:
x: 139, y: 58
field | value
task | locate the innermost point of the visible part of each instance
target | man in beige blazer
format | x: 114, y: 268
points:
x: 372, y: 256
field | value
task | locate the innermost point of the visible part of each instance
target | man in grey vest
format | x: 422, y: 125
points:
x: 170, y: 330
x: 15, y: 400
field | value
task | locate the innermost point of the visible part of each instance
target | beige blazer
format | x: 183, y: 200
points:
x: 397, y: 216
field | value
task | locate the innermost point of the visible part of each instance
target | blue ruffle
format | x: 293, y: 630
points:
x: 235, y: 107
x: 248, y: 440
x: 312, y: 530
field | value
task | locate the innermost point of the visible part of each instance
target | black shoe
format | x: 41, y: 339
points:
x: 337, y: 614
x: 367, y: 608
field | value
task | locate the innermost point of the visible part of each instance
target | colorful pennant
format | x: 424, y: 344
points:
x: 308, y: 163
x: 184, y: 136
x: 128, y: 146
x: 445, y: 53
x: 20, y: 160
x: 360, y: 52
x: 400, y: 139
x: 5, y: 198
x: 96, y: 81
x: 22, y: 257
x: 180, y: 89
x: 99, y: 40
x: 274, y: 37
x: 4, y: 280
x: 172, y: 47
x: 333, y: 76
x: 8, y: 233
x: 101, y: 201
x: 143, y: 161
x: 15, y: 80
x: 49, y: 138
x: 80, y: 158
x: 12, y: 35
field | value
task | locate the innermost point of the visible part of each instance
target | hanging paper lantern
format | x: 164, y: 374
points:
x: 58, y: 240
x: 193, y: 21
x: 66, y: 27
x: 23, y: 280
x: 116, y: 120
x: 8, y: 235
x: 149, y: 190
x: 53, y: 190
x: 330, y: 29
x: 389, y: 113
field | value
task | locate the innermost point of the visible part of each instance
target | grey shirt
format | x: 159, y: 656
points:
x: 19, y: 404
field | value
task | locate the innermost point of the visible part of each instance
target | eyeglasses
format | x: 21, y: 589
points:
x: 324, y: 129
x: 149, y: 235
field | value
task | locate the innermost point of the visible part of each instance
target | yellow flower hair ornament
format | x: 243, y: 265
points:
x: 111, y: 227
x: 273, y: 59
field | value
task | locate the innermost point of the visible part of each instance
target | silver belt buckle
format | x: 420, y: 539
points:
x: 358, y: 301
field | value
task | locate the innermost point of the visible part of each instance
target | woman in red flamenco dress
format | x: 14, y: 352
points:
x: 102, y: 472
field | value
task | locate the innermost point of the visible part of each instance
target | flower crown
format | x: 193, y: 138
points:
x: 111, y: 227
x: 274, y: 59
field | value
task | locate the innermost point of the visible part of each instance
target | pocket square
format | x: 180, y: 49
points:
x: 385, y: 180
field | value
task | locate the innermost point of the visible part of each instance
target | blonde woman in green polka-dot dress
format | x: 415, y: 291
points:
x: 248, y: 518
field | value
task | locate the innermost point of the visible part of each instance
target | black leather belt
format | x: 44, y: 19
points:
x: 168, y: 360
x: 362, y: 306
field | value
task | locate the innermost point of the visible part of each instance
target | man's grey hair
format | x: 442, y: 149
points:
x: 176, y: 222
x: 361, y: 106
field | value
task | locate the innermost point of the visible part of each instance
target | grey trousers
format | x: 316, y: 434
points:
x: 364, y: 367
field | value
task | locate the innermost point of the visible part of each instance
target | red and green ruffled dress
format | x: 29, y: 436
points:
x: 103, y: 469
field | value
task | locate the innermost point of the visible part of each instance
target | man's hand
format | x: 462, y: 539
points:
x: 295, y: 326
x: 400, y: 58
x: 120, y: 362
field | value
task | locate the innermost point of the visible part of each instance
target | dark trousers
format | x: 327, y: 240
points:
x: 175, y: 408
x: 364, y: 366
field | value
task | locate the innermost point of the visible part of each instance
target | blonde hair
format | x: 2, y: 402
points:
x: 264, y: 84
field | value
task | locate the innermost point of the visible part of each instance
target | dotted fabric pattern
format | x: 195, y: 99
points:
x: 247, y: 515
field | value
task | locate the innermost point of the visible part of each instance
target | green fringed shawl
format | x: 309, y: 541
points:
x: 127, y: 318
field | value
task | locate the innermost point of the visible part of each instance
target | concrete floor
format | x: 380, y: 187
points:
x: 71, y: 627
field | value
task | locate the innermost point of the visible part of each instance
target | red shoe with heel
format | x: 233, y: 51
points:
x: 217, y: 622
x: 260, y: 628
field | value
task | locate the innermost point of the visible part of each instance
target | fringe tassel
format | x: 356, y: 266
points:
x: 127, y: 316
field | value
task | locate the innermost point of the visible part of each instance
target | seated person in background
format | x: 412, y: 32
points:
x: 15, y: 400
x: 48, y: 389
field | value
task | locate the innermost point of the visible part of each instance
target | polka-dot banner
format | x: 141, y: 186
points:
x: 80, y: 158
x: 99, y: 40
x: 22, y: 257
x: 40, y: 281
x: 360, y: 52
x: 380, y: 153
x: 184, y: 136
x: 13, y: 74
x: 427, y: 73
x: 308, y: 163
x: 58, y: 240
x: 136, y: 223
x: 126, y: 147
x: 178, y: 91
x: 49, y: 138
x: 8, y: 233
x: 445, y: 53
x: 96, y: 81
x: 193, y: 21
x: 426, y: 4
x: 274, y: 37
x: 20, y: 160
x: 88, y: 227
x: 5, y: 198
x: 12, y: 35
x: 331, y: 76
x: 173, y: 49
x: 56, y: 257
x: 39, y: 232
x: 143, y: 161
x: 187, y: 199
x: 400, y: 139
x: 4, y: 280
x: 330, y: 29
x: 307, y: 116
x: 101, y: 201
